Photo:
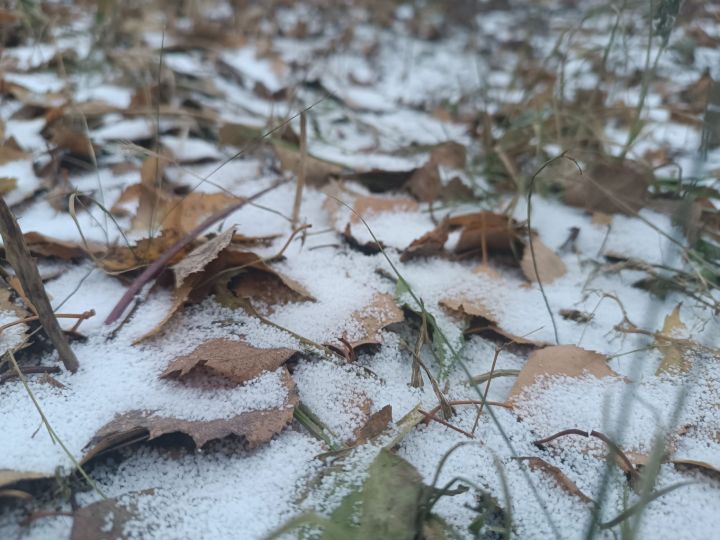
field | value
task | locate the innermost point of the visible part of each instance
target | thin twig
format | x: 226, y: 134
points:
x: 445, y: 423
x: 29, y: 370
x: 79, y: 316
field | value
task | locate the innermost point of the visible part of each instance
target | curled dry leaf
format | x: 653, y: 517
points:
x: 549, y: 265
x: 560, y: 360
x: 255, y: 427
x: 610, y: 186
x: 234, y: 360
x: 563, y: 481
x: 482, y: 321
x: 431, y: 243
x: 201, y: 256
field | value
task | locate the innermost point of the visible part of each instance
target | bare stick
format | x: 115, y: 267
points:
x: 159, y: 265
x: 303, y: 168
x: 28, y: 370
x: 19, y: 257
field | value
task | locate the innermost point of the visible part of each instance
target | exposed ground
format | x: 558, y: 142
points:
x: 342, y: 270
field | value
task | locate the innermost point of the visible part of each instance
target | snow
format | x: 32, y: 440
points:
x: 384, y: 84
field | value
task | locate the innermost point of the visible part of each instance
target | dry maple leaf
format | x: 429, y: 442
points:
x: 560, y: 360
x: 235, y: 360
x: 254, y: 427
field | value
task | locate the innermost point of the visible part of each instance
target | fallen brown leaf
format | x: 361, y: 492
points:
x: 487, y: 232
x: 482, y: 321
x: 431, y: 243
x: 201, y: 256
x: 46, y: 246
x: 610, y: 186
x: 255, y: 427
x: 157, y: 209
x: 560, y: 360
x: 375, y: 425
x: 673, y: 360
x: 425, y: 183
x: 235, y: 360
x: 549, y: 265
x: 368, y: 205
x: 379, y: 313
x: 104, y: 519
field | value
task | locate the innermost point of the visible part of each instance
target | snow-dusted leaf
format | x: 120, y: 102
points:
x: 562, y: 361
x: 317, y: 171
x: 254, y: 427
x: 482, y: 320
x: 234, y: 360
x: 105, y: 519
x: 379, y: 313
x: 673, y: 359
x: 201, y: 256
x: 549, y: 265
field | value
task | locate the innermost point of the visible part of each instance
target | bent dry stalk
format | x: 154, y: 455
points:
x: 18, y: 255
